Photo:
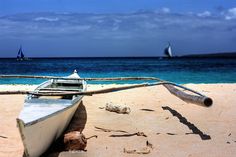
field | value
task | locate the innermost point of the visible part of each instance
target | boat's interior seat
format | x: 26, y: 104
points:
x: 66, y: 85
x: 62, y: 87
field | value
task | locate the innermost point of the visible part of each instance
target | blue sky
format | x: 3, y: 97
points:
x: 110, y: 6
x: 54, y: 28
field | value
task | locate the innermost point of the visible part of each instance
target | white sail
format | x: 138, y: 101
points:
x: 168, y: 51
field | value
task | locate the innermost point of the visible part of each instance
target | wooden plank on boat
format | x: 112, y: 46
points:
x: 101, y: 91
x: 53, y: 92
x: 59, y: 89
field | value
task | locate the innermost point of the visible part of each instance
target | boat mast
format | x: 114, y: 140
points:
x: 22, y: 55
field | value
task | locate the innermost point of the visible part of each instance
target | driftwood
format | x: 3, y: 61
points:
x: 128, y: 135
x: 201, y: 100
x: 109, y: 130
x: 146, y: 109
x: 168, y: 133
x: 75, y: 141
x: 123, y: 135
x: 3, y: 136
x: 117, y: 108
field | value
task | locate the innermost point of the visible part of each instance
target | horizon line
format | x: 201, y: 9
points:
x: 215, y: 54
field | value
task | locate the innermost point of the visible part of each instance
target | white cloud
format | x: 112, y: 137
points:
x: 165, y: 10
x: 148, y: 25
x: 204, y: 14
x: 115, y: 28
x: 74, y: 28
x: 231, y: 14
x: 82, y: 27
x: 117, y: 21
x: 97, y: 17
x: 143, y: 24
x: 100, y: 21
x: 130, y: 28
x: 46, y: 19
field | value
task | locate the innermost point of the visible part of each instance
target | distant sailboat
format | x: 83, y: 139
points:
x: 20, y: 55
x: 168, y: 51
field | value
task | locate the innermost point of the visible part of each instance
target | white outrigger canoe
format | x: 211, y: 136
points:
x: 44, y: 118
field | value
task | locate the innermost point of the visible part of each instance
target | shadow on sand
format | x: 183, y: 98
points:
x: 77, y: 123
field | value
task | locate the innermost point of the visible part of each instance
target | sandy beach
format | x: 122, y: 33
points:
x: 167, y: 135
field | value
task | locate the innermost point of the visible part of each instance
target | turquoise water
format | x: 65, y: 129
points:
x: 179, y: 70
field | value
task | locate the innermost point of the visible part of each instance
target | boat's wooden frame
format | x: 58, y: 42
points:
x: 197, y: 98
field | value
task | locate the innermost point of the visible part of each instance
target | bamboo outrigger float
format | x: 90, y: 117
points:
x: 49, y: 108
x: 195, y: 97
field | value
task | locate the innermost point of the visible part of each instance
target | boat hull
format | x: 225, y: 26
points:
x: 38, y: 136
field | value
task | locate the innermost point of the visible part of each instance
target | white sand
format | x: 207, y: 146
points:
x: 218, y: 121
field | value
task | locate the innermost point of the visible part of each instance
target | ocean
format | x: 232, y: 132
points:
x: 179, y: 70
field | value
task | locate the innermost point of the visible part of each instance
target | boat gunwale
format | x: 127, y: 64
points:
x: 21, y: 124
x: 76, y: 100
x: 72, y: 101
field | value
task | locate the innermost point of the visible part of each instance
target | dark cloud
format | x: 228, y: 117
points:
x: 119, y: 34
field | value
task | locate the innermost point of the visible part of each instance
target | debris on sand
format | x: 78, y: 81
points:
x: 144, y: 150
x: 146, y: 109
x: 109, y: 130
x: 171, y: 133
x: 128, y: 135
x: 148, y: 144
x: 75, y: 141
x: 3, y: 136
x: 121, y: 109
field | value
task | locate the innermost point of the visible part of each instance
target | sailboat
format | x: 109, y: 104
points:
x: 168, y: 51
x: 20, y: 55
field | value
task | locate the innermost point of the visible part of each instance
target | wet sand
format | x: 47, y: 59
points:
x: 164, y: 130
